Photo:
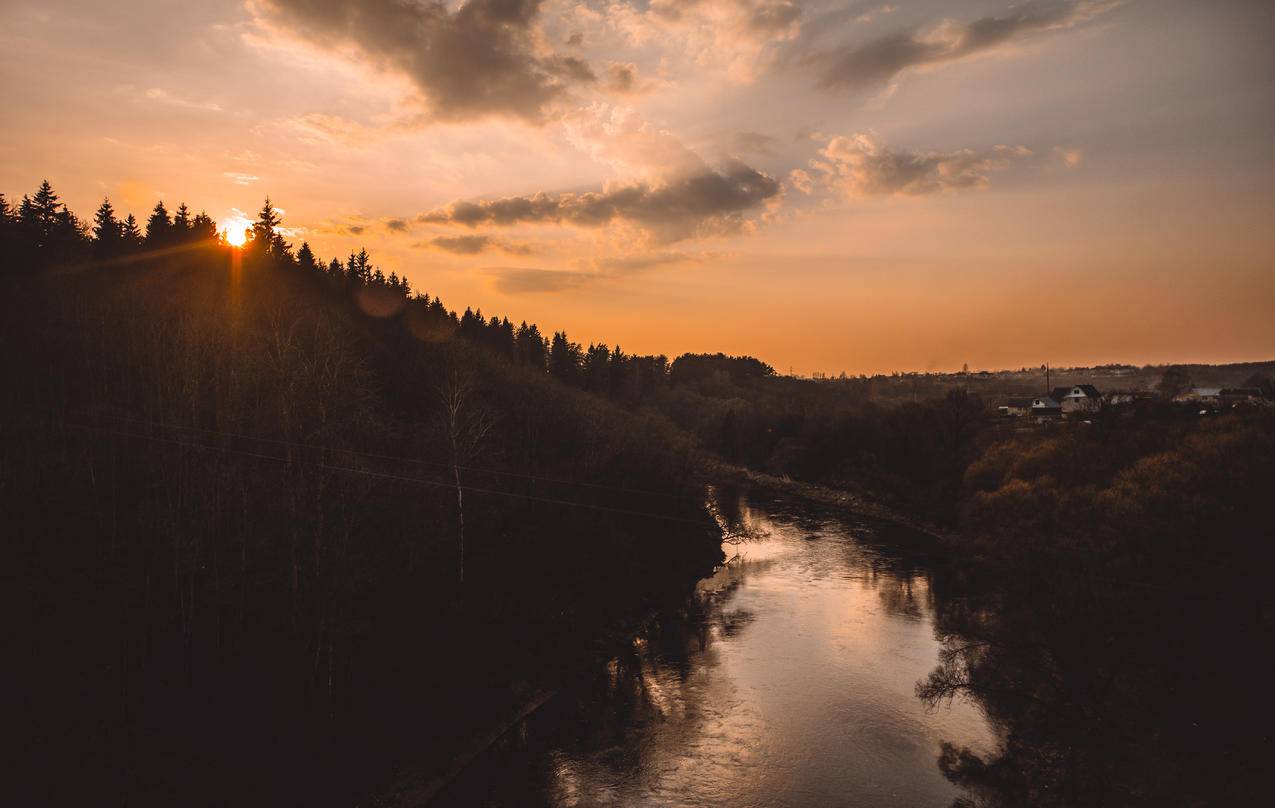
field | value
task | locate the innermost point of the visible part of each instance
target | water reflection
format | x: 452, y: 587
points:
x: 788, y: 679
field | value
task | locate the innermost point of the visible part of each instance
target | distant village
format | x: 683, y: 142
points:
x: 1081, y: 399
x: 1046, y: 392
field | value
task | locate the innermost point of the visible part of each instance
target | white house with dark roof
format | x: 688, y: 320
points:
x: 1077, y: 398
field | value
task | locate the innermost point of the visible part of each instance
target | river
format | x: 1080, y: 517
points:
x: 787, y: 680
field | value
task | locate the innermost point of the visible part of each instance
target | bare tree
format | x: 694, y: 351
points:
x: 467, y: 423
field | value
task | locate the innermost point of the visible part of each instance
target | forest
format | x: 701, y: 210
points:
x: 267, y: 516
x: 301, y: 505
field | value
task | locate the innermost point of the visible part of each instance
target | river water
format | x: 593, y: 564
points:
x: 788, y: 680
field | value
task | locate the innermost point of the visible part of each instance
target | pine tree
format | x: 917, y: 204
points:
x: 306, y: 260
x: 52, y: 233
x: 131, y: 234
x: 359, y: 268
x: 564, y: 358
x: 158, y: 227
x: 8, y: 233
x: 265, y: 233
x: 42, y: 216
x: 107, y: 233
x: 364, y: 264
x: 203, y: 228
x: 181, y: 223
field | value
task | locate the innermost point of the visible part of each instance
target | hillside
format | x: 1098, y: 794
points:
x: 264, y: 526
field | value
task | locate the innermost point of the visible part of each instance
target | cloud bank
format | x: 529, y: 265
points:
x: 705, y: 203
x: 858, y: 166
x: 879, y: 61
x: 473, y: 245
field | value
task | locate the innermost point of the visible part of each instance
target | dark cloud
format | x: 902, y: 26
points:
x: 622, y: 78
x: 472, y: 245
x: 520, y: 280
x: 356, y: 229
x: 711, y: 201
x: 774, y: 15
x: 396, y: 225
x: 481, y: 59
x: 884, y: 58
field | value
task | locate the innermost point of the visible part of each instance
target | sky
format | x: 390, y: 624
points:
x: 827, y: 185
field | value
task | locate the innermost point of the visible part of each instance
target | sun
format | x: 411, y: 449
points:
x: 235, y: 236
x: 235, y: 228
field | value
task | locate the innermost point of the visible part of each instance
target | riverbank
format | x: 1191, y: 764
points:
x: 859, y: 502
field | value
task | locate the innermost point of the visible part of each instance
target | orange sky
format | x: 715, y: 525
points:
x: 829, y: 186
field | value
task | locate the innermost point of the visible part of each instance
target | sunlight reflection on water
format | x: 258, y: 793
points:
x: 789, y: 682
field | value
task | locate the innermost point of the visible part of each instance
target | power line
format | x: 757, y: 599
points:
x: 373, y: 455
x: 388, y: 476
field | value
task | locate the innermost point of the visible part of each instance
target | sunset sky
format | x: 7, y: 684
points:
x: 830, y: 186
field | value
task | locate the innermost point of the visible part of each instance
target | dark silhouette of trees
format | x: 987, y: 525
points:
x: 266, y: 238
x: 159, y: 227
x: 182, y: 224
x: 131, y: 238
x: 45, y: 233
x: 306, y: 260
x: 108, y: 232
x: 203, y: 228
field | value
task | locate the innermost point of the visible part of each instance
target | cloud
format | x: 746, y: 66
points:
x: 882, y: 59
x: 622, y: 79
x: 521, y: 280
x: 1069, y: 157
x: 619, y: 137
x: 754, y: 143
x: 472, y: 245
x: 624, y: 264
x: 858, y: 166
x: 485, y: 58
x: 396, y: 225
x: 705, y: 203
x: 164, y: 97
x: 320, y: 129
x: 240, y: 178
x: 801, y: 180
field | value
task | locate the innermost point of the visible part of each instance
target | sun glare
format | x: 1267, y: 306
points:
x: 235, y: 227
x: 235, y: 236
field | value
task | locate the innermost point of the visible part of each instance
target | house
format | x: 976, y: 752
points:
x: 1036, y: 406
x: 1077, y: 398
x: 1201, y: 395
x: 1231, y: 396
x: 1046, y: 407
x: 1016, y: 407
